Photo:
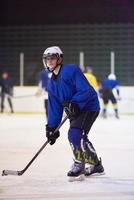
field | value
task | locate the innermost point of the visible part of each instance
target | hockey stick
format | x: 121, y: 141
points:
x: 19, y: 173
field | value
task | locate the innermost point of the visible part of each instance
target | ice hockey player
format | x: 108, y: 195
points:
x: 6, y: 85
x: 43, y: 78
x: 88, y: 73
x: 107, y: 94
x: 69, y: 89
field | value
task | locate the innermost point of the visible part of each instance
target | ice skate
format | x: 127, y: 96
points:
x: 95, y: 170
x: 117, y: 115
x: 104, y: 115
x: 12, y: 111
x: 77, y: 172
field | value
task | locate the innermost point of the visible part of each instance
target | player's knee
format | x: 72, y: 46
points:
x: 75, y: 136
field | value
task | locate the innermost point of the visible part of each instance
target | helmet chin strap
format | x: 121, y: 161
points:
x: 52, y: 69
x: 58, y: 64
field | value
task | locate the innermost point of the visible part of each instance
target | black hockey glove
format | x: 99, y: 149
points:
x: 70, y: 108
x: 51, y: 135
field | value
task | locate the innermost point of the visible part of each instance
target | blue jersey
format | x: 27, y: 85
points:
x: 6, y: 86
x: 71, y: 85
x: 107, y: 83
x: 110, y: 84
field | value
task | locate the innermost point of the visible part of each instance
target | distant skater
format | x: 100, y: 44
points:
x: 88, y: 73
x: 43, y: 78
x: 107, y: 95
x: 6, y: 91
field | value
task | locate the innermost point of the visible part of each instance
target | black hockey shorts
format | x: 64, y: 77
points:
x: 108, y: 96
x: 84, y: 120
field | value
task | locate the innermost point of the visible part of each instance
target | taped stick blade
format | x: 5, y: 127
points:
x: 10, y: 172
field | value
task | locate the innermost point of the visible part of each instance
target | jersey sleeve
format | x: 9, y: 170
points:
x: 55, y: 111
x: 117, y: 88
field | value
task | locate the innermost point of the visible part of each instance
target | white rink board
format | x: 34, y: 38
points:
x: 22, y: 136
x: 25, y: 100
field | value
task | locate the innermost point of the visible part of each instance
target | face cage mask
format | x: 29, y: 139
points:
x: 45, y: 63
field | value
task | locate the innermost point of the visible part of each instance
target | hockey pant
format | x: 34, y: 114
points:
x: 83, y: 149
x: 107, y: 95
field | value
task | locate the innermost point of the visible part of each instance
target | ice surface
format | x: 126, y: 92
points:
x: 21, y: 136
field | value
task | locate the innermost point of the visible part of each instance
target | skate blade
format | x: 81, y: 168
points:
x: 95, y: 174
x: 77, y: 178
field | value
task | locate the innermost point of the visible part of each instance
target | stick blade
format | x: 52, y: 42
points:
x: 10, y: 172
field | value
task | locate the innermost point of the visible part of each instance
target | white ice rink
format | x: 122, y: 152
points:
x: 21, y: 136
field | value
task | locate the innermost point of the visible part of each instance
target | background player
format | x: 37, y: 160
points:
x: 43, y: 78
x: 88, y: 72
x: 107, y: 94
x: 6, y: 91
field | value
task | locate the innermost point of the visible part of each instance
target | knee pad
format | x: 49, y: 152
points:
x: 75, y: 136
